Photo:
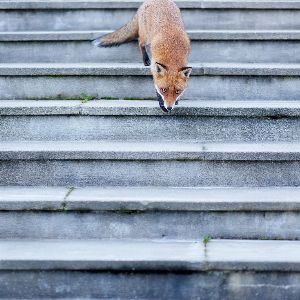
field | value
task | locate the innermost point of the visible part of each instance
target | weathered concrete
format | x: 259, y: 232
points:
x: 31, y: 198
x: 149, y: 198
x: 142, y: 285
x: 128, y: 223
x: 237, y: 50
x: 209, y: 81
x: 204, y: 121
x: 132, y: 69
x: 46, y: 107
x: 195, y: 35
x: 149, y: 173
x: 88, y: 4
x: 95, y: 15
x: 175, y: 127
x: 149, y: 212
x: 116, y: 150
x: 125, y: 255
x: 256, y: 108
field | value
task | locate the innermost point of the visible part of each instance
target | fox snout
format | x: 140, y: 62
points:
x: 165, y: 108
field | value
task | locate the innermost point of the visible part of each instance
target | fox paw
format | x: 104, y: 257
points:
x: 147, y: 62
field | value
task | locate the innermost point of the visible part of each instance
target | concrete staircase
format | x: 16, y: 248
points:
x: 103, y: 196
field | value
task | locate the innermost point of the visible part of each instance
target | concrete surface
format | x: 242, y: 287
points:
x: 150, y: 255
x: 149, y: 198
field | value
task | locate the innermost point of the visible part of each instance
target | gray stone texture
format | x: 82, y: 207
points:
x: 213, y: 285
x: 207, y: 45
x: 149, y: 173
x: 94, y: 4
x: 153, y: 212
x: 195, y: 35
x: 236, y: 221
x: 202, y: 108
x: 202, y: 121
x: 134, y: 69
x: 127, y: 255
x: 241, y: 51
x: 142, y: 151
x: 149, y: 199
x: 213, y: 16
x: 210, y: 81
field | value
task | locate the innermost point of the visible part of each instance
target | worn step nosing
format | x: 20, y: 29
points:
x: 276, y: 109
x: 146, y: 206
x: 92, y: 4
x: 231, y: 255
x: 148, y: 199
x: 91, y: 150
x: 195, y: 35
x: 115, y: 69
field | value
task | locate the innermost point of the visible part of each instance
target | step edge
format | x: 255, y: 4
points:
x: 195, y: 35
x: 197, y: 257
x: 255, y: 108
x: 89, y: 4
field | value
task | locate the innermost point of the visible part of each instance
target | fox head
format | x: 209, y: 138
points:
x: 170, y: 83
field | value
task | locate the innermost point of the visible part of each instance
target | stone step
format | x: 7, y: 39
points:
x: 149, y: 212
x: 95, y: 15
x: 204, y: 121
x: 87, y: 163
x: 149, y: 269
x: 260, y: 46
x: 209, y: 81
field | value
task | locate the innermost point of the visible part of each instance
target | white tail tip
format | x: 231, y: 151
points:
x: 96, y: 43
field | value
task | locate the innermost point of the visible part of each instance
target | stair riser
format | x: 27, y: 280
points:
x: 204, y: 51
x: 200, y: 87
x: 22, y: 20
x: 150, y: 225
x: 149, y: 172
x: 142, y: 285
x: 149, y: 128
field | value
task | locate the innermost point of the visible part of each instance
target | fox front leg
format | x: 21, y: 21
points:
x: 146, y: 59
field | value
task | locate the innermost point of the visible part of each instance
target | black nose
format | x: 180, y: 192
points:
x: 169, y: 108
x: 163, y: 108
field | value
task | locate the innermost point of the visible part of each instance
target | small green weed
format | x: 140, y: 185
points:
x: 86, y: 98
x: 206, y: 240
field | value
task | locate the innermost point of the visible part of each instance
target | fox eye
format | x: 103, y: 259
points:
x: 178, y: 92
x: 163, y: 90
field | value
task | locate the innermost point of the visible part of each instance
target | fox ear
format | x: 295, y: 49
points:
x: 185, y: 72
x: 160, y: 68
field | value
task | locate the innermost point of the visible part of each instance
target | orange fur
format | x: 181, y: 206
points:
x: 159, y: 25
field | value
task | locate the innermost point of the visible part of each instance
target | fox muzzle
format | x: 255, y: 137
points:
x: 161, y: 102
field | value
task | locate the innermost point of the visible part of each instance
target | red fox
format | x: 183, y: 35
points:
x: 159, y: 27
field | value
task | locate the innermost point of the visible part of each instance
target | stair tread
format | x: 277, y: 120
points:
x: 136, y: 150
x: 89, y: 4
x: 125, y: 255
x: 259, y: 108
x: 137, y: 69
x: 150, y: 198
x: 200, y: 34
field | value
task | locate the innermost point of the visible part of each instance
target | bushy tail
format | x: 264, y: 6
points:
x: 123, y: 35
